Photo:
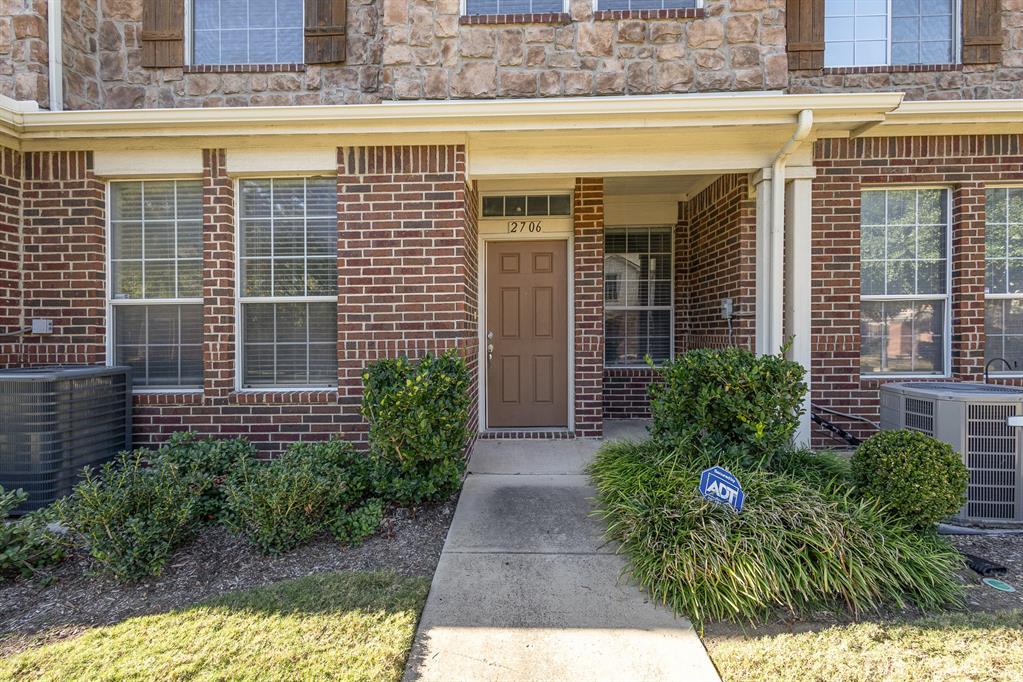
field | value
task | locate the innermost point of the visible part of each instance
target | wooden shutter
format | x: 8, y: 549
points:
x: 982, y: 31
x: 163, y: 32
x: 325, y: 31
x: 804, y: 24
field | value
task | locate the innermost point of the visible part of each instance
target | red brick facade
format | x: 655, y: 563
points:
x: 963, y: 164
x: 10, y: 255
x: 588, y: 272
x: 715, y: 258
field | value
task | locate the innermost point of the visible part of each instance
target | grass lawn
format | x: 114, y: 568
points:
x: 952, y: 647
x: 339, y: 626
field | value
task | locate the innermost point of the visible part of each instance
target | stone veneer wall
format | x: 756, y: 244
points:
x: 420, y: 49
x: 23, y: 53
x: 965, y: 81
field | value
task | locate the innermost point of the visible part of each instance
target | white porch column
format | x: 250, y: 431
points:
x: 769, y: 275
x: 798, y: 276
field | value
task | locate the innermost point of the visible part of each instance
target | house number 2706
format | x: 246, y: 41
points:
x: 525, y: 226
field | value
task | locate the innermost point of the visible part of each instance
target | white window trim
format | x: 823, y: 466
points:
x: 189, y: 40
x: 239, y: 299
x: 111, y: 302
x: 670, y: 308
x: 947, y: 330
x: 957, y: 41
x: 1010, y: 374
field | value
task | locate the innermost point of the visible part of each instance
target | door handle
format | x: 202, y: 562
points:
x: 490, y: 348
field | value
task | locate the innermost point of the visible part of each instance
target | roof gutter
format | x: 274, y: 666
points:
x: 55, y: 47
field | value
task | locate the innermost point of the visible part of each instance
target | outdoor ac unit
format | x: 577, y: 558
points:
x: 973, y: 419
x: 56, y: 420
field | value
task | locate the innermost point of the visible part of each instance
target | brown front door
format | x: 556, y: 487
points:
x: 527, y: 323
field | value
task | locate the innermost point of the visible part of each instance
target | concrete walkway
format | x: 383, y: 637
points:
x: 526, y: 589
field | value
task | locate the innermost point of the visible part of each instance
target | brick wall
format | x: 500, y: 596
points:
x: 715, y: 257
x: 588, y: 288
x: 10, y: 255
x: 405, y: 263
x: 64, y: 258
x: 963, y: 164
x: 23, y: 50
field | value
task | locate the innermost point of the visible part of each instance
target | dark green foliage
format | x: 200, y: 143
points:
x: 418, y: 414
x: 826, y: 470
x: 794, y: 547
x: 282, y: 504
x: 211, y: 459
x: 352, y: 526
x: 131, y: 517
x: 920, y: 480
x: 731, y: 399
x: 26, y: 546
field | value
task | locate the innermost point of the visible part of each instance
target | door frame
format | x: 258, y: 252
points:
x: 482, y: 241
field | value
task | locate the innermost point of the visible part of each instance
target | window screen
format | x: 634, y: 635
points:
x: 156, y: 281
x: 514, y: 6
x: 904, y: 281
x: 288, y: 265
x: 637, y: 294
x: 1003, y: 328
x: 248, y: 31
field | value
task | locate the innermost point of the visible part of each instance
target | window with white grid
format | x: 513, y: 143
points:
x: 155, y: 230
x: 904, y: 273
x: 637, y: 295
x: 288, y: 282
x: 475, y: 7
x: 248, y: 32
x: 883, y: 32
x: 646, y: 4
x: 1003, y: 325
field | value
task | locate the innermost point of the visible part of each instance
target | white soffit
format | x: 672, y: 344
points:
x: 279, y: 160
x: 147, y: 162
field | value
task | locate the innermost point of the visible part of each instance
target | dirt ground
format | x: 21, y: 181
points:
x: 1006, y: 550
x: 215, y: 562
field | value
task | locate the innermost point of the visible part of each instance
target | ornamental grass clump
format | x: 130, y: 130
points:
x: 794, y: 547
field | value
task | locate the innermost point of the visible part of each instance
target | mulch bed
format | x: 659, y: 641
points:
x: 215, y: 562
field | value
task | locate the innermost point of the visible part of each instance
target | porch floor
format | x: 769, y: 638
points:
x: 526, y: 588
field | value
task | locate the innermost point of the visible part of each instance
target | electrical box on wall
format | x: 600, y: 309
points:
x: 726, y: 309
x: 42, y: 326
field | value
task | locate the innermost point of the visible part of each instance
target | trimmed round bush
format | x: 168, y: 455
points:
x: 921, y: 480
x: 794, y: 547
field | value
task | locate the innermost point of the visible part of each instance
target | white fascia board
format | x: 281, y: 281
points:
x: 462, y: 116
x: 951, y: 117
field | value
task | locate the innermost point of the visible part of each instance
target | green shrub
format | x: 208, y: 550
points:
x: 131, y: 516
x: 352, y: 526
x: 26, y: 545
x: 826, y: 470
x: 284, y: 503
x: 794, y: 547
x: 744, y: 404
x: 418, y: 416
x: 211, y: 459
x: 921, y: 480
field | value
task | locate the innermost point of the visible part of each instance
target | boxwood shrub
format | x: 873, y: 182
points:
x: 730, y: 399
x: 919, y: 479
x: 26, y: 545
x: 418, y: 414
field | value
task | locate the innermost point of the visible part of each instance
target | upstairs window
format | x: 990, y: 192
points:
x: 476, y: 7
x: 247, y: 31
x: 890, y: 32
x: 646, y: 4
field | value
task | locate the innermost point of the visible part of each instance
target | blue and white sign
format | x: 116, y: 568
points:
x: 717, y: 485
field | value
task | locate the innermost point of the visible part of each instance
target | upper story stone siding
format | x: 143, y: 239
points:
x: 963, y: 81
x: 423, y: 49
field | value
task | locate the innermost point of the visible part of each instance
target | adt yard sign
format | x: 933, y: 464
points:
x: 717, y: 485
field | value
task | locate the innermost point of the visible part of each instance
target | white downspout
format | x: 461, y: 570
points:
x: 776, y: 330
x: 55, y: 45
